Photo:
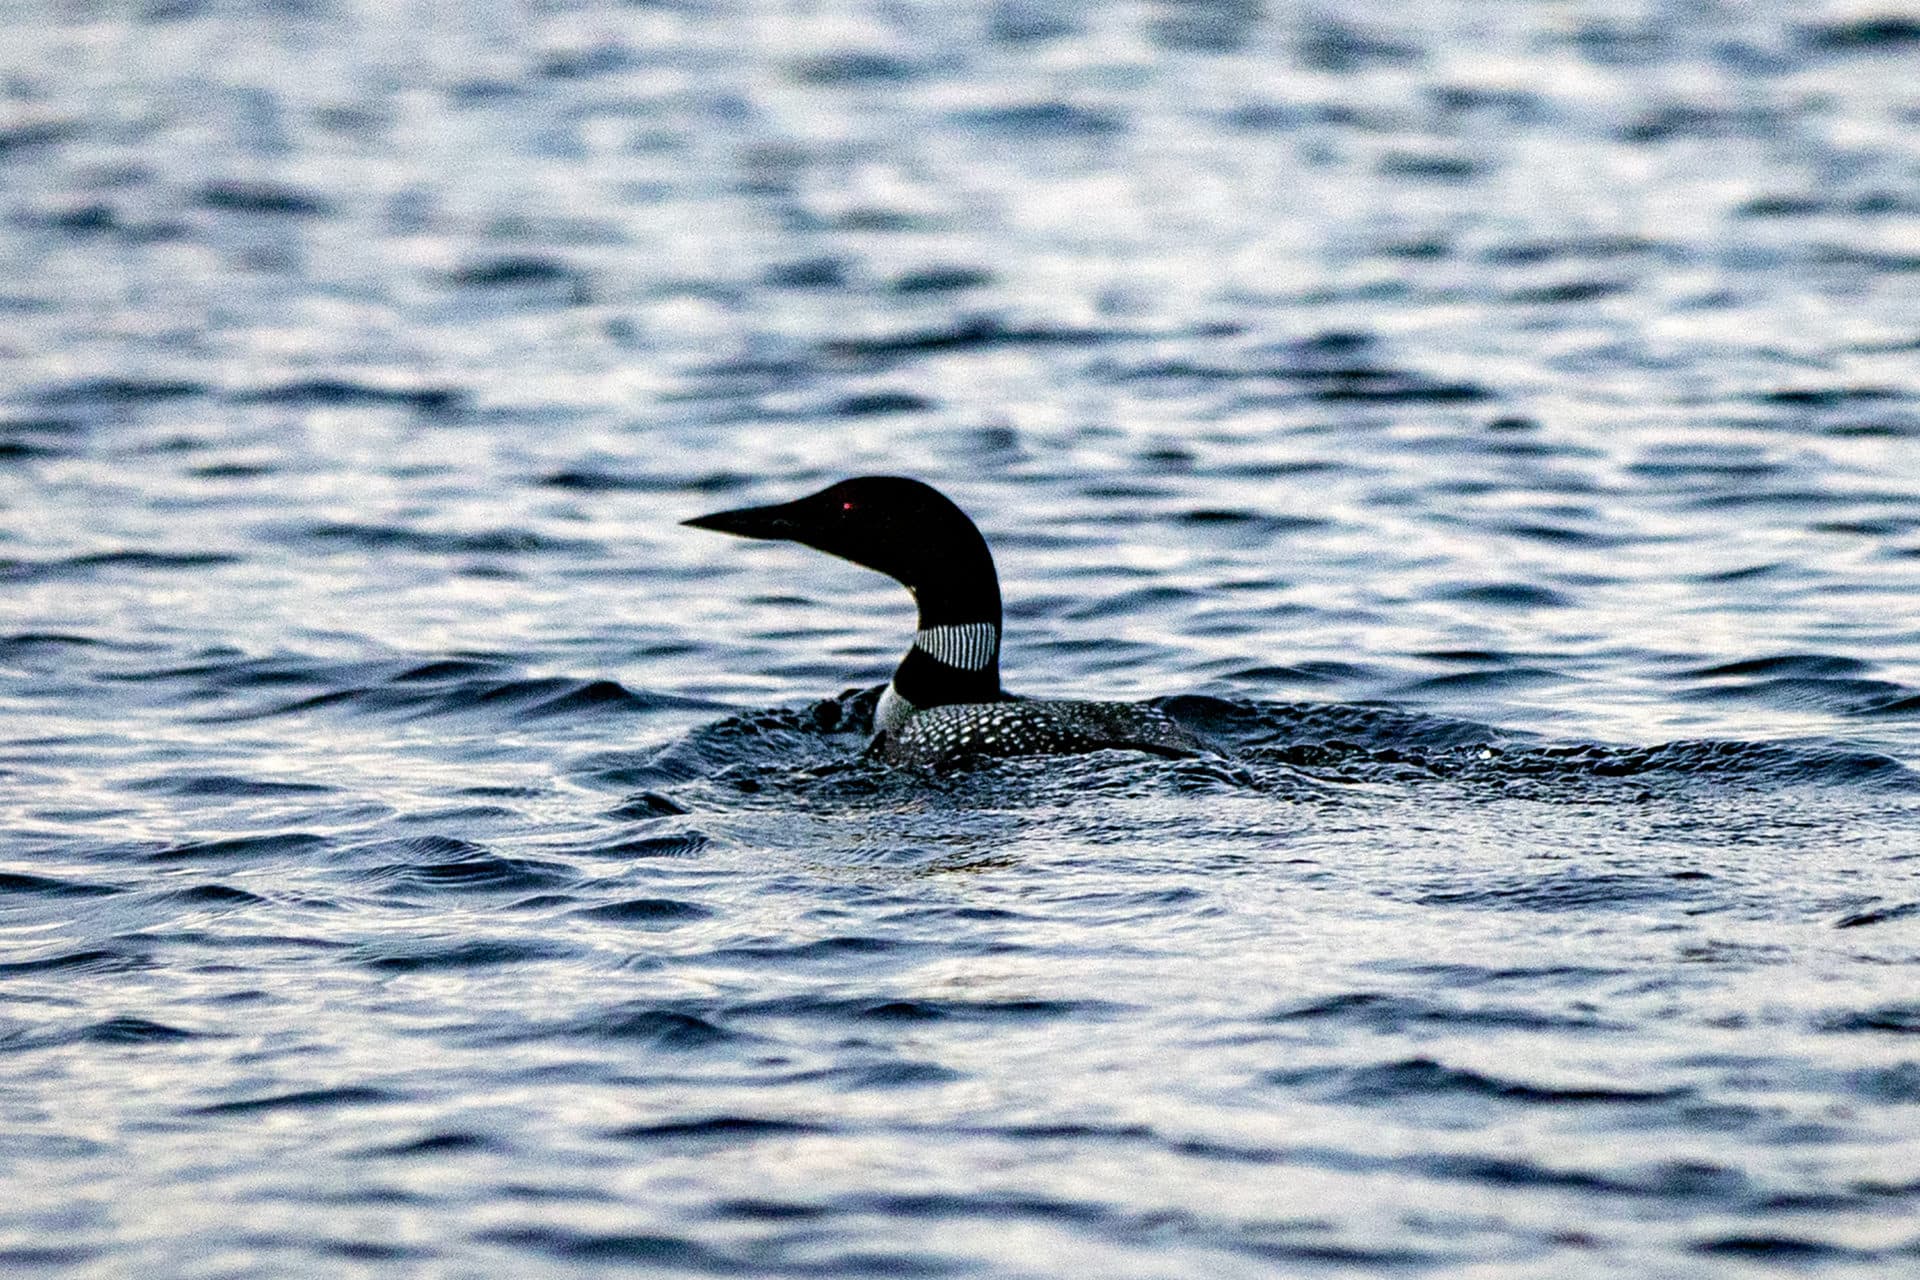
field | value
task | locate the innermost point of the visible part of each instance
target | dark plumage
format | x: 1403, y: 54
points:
x: 945, y: 702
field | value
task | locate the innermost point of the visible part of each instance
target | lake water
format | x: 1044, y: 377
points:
x: 1496, y: 426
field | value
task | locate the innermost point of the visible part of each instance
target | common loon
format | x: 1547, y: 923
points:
x: 944, y: 703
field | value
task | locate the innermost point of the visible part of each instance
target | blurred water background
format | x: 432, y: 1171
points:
x: 1496, y: 424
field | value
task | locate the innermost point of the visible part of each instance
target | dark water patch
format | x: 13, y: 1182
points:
x: 715, y: 1130
x: 1691, y: 465
x: 1045, y: 121
x: 366, y: 1250
x: 1027, y: 23
x: 1216, y: 26
x: 758, y: 1210
x: 1333, y: 368
x: 724, y: 750
x: 453, y: 1142
x: 1838, y: 696
x: 369, y: 698
x: 680, y: 844
x: 85, y: 565
x: 445, y: 669
x: 544, y: 902
x: 1898, y: 1083
x: 127, y: 1029
x: 228, y: 669
x: 18, y: 136
x: 1317, y: 1254
x: 853, y: 66
x: 1772, y: 1248
x: 1378, y: 1011
x: 1434, y: 166
x: 338, y: 393
x: 661, y: 913
x: 1341, y: 48
x: 225, y: 786
x: 1873, y: 428
x: 40, y: 436
x: 998, y: 1206
x: 1878, y: 915
x: 1554, y: 534
x: 1668, y: 1181
x: 1830, y: 397
x: 877, y: 403
x: 1746, y: 573
x: 1783, y: 206
x: 966, y: 334
x: 1786, y: 664
x: 73, y: 218
x: 807, y: 273
x: 151, y: 559
x: 614, y: 1248
x: 1067, y: 1132
x: 907, y: 1010
x: 1529, y: 253
x: 1253, y: 521
x: 1396, y: 389
x: 475, y: 953
x: 1139, y: 602
x: 1245, y: 726
x: 590, y: 698
x: 1869, y: 33
x: 214, y: 895
x: 1669, y: 121
x: 1897, y: 1019
x: 384, y: 537
x: 941, y: 280
x: 1562, y: 891
x: 1872, y: 260
x: 660, y: 1028
x: 1569, y: 291
x: 647, y: 805
x: 1462, y: 682
x: 299, y: 1100
x: 1424, y: 1077
x: 1753, y: 764
x: 1507, y: 595
x: 290, y: 845
x: 844, y: 948
x: 22, y: 643
x: 1305, y: 673
x: 524, y: 272
x: 1266, y: 116
x: 599, y: 58
x: 472, y: 869
x: 118, y: 393
x: 270, y: 198
x: 20, y: 883
x: 585, y: 479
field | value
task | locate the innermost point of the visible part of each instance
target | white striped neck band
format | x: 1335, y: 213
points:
x: 970, y: 646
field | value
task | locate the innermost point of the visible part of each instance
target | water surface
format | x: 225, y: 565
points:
x: 1496, y: 429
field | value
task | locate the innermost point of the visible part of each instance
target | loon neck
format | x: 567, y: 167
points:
x: 951, y: 662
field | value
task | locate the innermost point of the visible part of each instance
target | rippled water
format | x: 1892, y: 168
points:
x: 1497, y: 427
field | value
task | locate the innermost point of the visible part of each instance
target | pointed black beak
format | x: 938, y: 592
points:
x: 779, y: 522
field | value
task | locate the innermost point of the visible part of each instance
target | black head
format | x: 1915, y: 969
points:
x: 905, y: 529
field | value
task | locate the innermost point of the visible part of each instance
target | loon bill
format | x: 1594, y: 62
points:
x: 945, y: 702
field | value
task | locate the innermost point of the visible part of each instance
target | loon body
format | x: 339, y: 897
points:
x: 945, y: 703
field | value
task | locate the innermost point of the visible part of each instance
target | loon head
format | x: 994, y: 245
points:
x: 903, y: 528
x: 914, y: 534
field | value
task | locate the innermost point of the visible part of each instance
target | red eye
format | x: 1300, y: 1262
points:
x: 846, y: 506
